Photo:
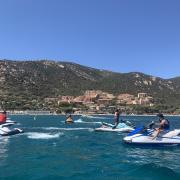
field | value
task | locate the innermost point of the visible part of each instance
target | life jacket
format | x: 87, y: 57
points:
x: 3, y: 118
x: 166, y: 125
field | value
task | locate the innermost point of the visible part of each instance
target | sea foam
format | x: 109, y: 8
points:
x: 66, y: 129
x: 36, y: 135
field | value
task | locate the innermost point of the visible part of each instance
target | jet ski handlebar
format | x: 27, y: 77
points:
x: 150, y: 125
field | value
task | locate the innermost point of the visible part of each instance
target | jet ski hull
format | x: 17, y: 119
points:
x: 13, y: 132
x: 148, y: 140
x: 108, y: 129
x: 69, y: 122
x: 169, y: 138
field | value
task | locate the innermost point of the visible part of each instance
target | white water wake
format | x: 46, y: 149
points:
x: 67, y: 129
x: 94, y: 117
x: 87, y: 122
x: 37, y: 135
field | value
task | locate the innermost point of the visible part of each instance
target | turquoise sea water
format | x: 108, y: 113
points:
x: 50, y: 149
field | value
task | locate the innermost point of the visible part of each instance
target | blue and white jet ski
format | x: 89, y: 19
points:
x: 144, y: 136
x: 6, y: 130
x: 121, y: 127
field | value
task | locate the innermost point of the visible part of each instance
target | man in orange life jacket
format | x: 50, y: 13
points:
x: 3, y: 117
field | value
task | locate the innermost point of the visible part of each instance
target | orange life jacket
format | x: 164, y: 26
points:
x: 3, y: 118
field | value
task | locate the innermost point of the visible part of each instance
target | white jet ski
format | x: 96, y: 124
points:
x: 144, y: 136
x: 6, y: 130
x: 121, y: 127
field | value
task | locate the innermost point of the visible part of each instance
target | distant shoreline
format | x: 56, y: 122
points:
x: 135, y: 115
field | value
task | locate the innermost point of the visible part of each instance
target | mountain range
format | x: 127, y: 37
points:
x: 32, y: 80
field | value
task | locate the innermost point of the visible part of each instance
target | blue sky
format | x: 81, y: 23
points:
x: 117, y: 35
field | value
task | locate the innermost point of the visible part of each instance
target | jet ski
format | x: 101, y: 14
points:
x: 6, y: 130
x: 69, y: 120
x: 121, y: 127
x: 144, y: 136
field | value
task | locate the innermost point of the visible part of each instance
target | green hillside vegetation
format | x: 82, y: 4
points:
x: 25, y: 84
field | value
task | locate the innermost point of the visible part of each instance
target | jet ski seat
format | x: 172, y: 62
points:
x: 170, y: 134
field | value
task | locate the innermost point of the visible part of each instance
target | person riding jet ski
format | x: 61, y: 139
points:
x: 122, y: 126
x: 164, y: 124
x: 116, y: 118
x: 143, y: 135
x: 5, y: 126
x: 69, y: 119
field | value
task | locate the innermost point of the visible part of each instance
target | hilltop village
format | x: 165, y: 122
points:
x: 96, y: 101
